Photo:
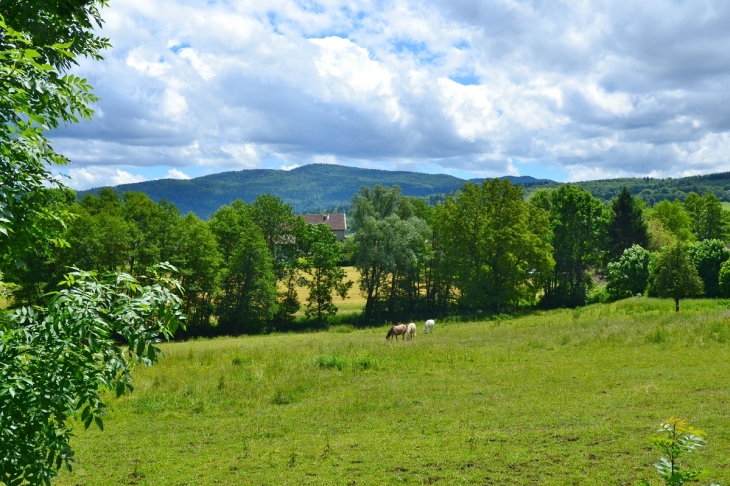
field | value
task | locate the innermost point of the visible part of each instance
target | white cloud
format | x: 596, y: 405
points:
x: 244, y: 156
x: 593, y: 88
x: 176, y: 174
x: 92, y: 176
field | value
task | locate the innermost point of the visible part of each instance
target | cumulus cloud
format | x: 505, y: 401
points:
x: 596, y: 88
x: 176, y: 174
x: 93, y: 176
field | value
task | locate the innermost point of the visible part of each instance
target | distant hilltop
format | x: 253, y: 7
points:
x: 311, y: 188
x: 319, y: 188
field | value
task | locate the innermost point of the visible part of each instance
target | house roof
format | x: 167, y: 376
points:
x: 336, y: 222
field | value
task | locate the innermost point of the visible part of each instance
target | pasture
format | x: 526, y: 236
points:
x: 559, y: 397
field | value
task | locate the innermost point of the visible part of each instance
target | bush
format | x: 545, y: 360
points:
x: 629, y: 275
x: 708, y: 256
x: 724, y: 280
x: 333, y: 361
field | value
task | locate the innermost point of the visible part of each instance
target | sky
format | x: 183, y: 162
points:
x: 573, y: 90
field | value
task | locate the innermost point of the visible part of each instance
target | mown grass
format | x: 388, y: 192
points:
x: 560, y: 397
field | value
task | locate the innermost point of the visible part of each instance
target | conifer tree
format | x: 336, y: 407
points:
x: 626, y: 225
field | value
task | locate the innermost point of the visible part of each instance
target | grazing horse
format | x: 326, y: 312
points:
x: 429, y: 326
x: 411, y: 331
x: 396, y: 331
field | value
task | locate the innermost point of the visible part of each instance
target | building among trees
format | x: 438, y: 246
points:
x: 336, y: 222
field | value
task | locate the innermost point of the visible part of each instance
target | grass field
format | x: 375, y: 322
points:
x: 560, y: 397
x: 353, y: 303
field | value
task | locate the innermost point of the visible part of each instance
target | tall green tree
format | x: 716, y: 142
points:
x: 199, y: 262
x: 674, y: 217
x: 675, y: 275
x: 626, y: 225
x: 248, y: 285
x: 498, y: 242
x: 381, y: 241
x: 324, y: 276
x: 282, y: 232
x: 709, y: 220
x: 577, y: 224
x: 708, y: 256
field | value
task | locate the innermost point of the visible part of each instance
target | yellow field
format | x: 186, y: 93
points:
x: 353, y: 303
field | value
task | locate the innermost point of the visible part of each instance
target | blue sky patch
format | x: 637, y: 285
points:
x: 466, y: 79
x: 179, y: 47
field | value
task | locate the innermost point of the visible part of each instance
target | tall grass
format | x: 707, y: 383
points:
x: 558, y: 397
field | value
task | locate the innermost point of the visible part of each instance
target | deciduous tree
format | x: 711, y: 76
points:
x: 675, y: 275
x: 498, y: 242
x: 248, y: 284
x: 708, y: 256
x: 629, y: 275
x: 577, y: 224
x: 324, y: 276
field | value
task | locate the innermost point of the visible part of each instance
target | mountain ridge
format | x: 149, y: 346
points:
x: 323, y: 187
x: 312, y: 187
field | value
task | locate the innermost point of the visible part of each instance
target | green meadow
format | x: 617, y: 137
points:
x: 558, y: 397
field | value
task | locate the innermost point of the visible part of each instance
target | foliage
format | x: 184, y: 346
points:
x: 724, y: 280
x: 708, y: 219
x: 498, y: 244
x: 390, y: 246
x: 199, y: 261
x: 626, y: 226
x: 674, y: 275
x: 629, y: 276
x: 79, y: 335
x: 37, y: 97
x: 282, y: 233
x: 248, y: 283
x: 323, y: 254
x: 708, y: 256
x: 675, y: 439
x: 674, y: 217
x: 577, y: 226
x: 659, y: 235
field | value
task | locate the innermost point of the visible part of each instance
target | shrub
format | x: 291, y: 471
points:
x: 723, y: 279
x: 629, y: 275
x: 676, y: 438
x: 708, y: 256
x: 333, y: 361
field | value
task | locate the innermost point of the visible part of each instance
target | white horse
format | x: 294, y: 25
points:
x: 429, y: 326
x: 396, y: 331
x: 411, y: 331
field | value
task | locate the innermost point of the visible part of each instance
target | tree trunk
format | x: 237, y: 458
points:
x: 676, y: 305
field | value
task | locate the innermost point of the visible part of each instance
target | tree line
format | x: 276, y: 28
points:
x: 484, y: 249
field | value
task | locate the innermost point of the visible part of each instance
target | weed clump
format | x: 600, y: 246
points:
x: 333, y: 361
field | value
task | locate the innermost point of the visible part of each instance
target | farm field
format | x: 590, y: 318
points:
x: 559, y: 397
x: 353, y: 303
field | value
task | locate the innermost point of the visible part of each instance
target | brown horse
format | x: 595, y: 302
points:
x: 396, y: 331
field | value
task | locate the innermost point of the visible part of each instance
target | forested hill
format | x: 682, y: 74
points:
x: 319, y: 187
x: 310, y: 188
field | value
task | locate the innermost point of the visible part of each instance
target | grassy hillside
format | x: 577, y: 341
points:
x: 561, y: 397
